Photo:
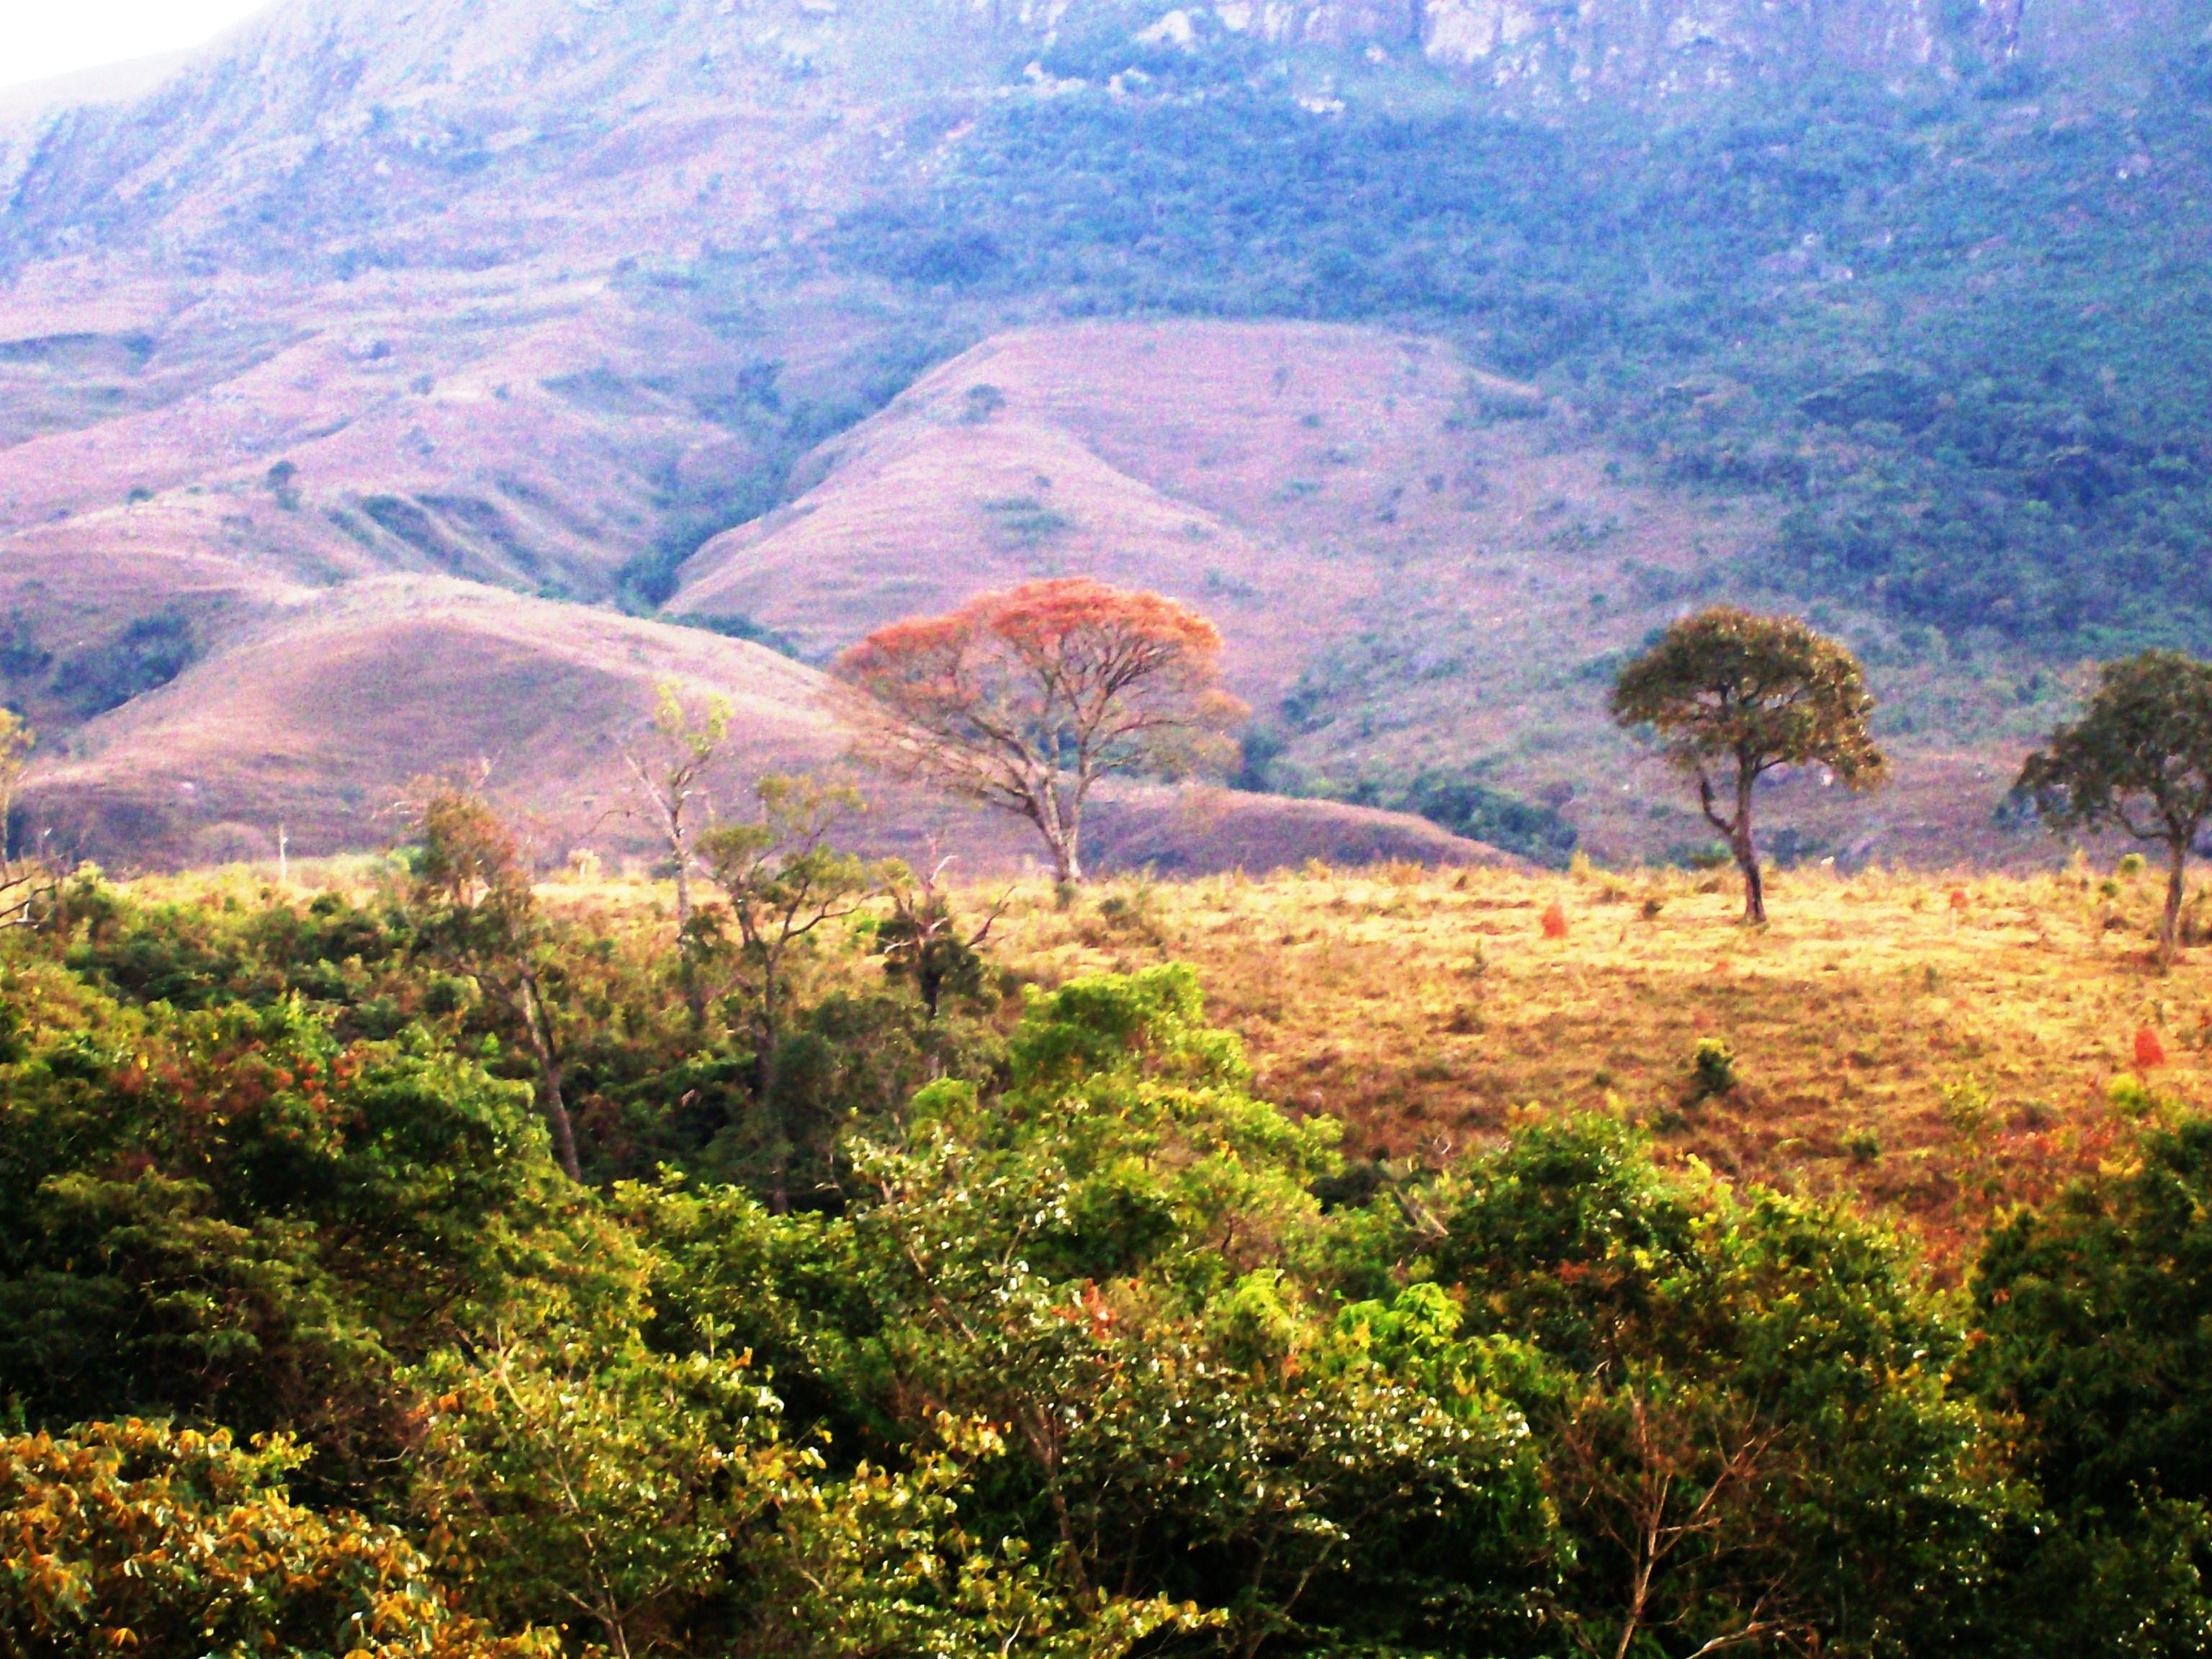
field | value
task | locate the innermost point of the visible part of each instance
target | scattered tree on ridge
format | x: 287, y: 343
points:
x: 2140, y: 757
x: 1022, y: 700
x: 473, y: 883
x: 1744, y: 694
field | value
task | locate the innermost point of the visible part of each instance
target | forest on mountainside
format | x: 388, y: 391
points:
x: 1958, y: 330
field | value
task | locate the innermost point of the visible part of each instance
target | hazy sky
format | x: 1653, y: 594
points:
x: 39, y: 37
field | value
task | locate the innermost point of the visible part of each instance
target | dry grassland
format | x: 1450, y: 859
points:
x: 1936, y: 1047
x: 1945, y: 1046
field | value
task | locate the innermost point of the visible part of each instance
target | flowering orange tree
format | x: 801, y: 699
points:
x: 1025, y: 699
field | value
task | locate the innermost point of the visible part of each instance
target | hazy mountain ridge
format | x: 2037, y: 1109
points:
x: 376, y: 111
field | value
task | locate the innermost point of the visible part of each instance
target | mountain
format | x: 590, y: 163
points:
x: 404, y: 381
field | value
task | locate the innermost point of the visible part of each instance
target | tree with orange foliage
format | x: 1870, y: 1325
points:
x: 1025, y: 699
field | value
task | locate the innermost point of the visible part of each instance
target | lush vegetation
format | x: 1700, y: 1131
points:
x: 994, y: 1311
x: 1958, y: 330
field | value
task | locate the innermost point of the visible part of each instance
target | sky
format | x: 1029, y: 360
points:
x: 44, y: 38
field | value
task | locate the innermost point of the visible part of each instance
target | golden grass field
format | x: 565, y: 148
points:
x: 1944, y: 1046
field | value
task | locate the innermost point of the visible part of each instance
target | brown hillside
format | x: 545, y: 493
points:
x: 1416, y: 564
x: 322, y: 718
x: 518, y: 454
x: 319, y: 721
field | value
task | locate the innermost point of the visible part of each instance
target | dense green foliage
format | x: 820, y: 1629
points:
x: 2094, y: 1313
x: 1959, y: 332
x: 978, y: 1323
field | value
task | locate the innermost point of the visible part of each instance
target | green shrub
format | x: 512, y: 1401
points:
x: 1712, y: 1068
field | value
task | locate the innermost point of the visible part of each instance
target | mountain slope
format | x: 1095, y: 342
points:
x: 1416, y: 576
x: 1417, y: 353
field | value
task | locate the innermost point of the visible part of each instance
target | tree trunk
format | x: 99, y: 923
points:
x: 540, y: 1035
x: 1747, y: 849
x: 687, y: 973
x: 1740, y: 842
x: 779, y: 1146
x: 687, y: 956
x: 1060, y: 818
x: 1755, y: 885
x: 2169, y: 936
x: 767, y: 1035
x: 1059, y: 839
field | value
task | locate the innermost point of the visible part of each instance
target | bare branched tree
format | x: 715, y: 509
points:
x: 671, y: 778
x: 1677, y: 1486
x: 924, y: 942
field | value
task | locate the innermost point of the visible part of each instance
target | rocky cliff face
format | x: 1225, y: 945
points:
x: 340, y: 105
x: 494, y: 117
x: 1557, y: 51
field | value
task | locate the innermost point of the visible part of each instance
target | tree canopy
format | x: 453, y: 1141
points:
x: 1731, y: 692
x: 1022, y: 700
x: 2140, y: 759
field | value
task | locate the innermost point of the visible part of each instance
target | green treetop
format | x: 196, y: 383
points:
x: 1739, y: 694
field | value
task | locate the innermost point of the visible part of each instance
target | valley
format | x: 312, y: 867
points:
x: 1374, y: 537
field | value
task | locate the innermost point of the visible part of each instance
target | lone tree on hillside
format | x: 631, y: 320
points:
x: 1024, y: 700
x: 2141, y: 758
x: 1740, y: 695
